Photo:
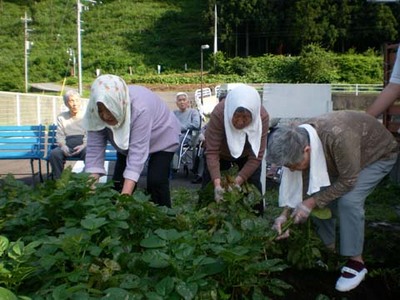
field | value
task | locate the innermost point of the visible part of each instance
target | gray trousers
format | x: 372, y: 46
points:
x: 350, y: 213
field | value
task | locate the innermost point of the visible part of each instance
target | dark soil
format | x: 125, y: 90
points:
x: 381, y: 255
x: 314, y: 284
x: 382, y: 248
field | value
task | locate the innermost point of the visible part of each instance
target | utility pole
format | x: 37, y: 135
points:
x: 78, y: 24
x: 79, y: 7
x: 27, y: 47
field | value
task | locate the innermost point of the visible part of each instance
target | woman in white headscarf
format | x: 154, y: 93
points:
x: 236, y: 134
x: 140, y: 126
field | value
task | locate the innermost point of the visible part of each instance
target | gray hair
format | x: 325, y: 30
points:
x: 286, y: 145
x: 69, y: 94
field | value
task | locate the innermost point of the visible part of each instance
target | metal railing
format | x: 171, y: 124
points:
x: 356, y: 88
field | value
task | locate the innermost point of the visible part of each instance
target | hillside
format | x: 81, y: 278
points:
x: 132, y: 38
x: 116, y: 33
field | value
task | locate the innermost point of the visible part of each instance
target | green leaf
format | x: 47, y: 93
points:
x: 7, y: 294
x: 122, y: 224
x: 322, y: 213
x: 153, y: 241
x: 119, y: 215
x: 4, y: 242
x: 91, y: 222
x: 165, y: 286
x: 15, y: 251
x: 156, y: 258
x: 187, y: 290
x: 168, y: 234
x: 3, y: 270
x: 130, y: 281
x: 95, y: 250
x: 116, y: 294
x: 184, y: 251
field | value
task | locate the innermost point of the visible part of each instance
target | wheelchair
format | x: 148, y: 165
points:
x: 189, y: 147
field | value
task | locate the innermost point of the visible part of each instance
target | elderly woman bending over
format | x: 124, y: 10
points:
x: 140, y: 126
x: 236, y: 134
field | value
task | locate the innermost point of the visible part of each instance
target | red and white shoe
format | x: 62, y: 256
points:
x: 352, y: 274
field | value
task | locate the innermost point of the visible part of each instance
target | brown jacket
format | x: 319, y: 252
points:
x: 351, y: 141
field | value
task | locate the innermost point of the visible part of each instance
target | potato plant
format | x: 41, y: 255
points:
x: 66, y: 240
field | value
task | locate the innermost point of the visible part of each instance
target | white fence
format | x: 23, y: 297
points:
x: 356, y: 88
x: 30, y: 109
x: 27, y: 109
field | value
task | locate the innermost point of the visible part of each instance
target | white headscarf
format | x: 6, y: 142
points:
x: 247, y: 97
x: 113, y: 92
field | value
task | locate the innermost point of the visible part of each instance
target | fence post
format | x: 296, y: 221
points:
x: 18, y: 114
x: 39, y: 117
x: 54, y: 114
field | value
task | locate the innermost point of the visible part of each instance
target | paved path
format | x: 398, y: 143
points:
x: 22, y: 171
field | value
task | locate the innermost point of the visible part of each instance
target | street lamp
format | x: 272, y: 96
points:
x: 203, y: 47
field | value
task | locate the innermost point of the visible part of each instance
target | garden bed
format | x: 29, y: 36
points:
x: 61, y: 240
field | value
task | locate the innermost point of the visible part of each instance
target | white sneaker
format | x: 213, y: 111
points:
x: 345, y: 284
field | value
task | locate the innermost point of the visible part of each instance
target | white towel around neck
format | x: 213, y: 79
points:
x: 291, y: 187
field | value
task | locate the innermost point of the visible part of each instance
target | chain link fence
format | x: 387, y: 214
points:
x: 30, y: 109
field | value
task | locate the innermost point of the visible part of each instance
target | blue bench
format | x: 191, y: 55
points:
x: 110, y: 155
x: 23, y: 142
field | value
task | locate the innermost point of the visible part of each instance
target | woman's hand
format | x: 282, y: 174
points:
x: 218, y: 193
x: 129, y: 187
x: 279, y: 221
x: 96, y: 179
x: 303, y: 210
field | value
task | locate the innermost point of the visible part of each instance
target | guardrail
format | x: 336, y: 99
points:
x: 356, y: 88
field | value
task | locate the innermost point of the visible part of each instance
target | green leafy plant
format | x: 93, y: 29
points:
x: 81, y: 242
x: 66, y: 239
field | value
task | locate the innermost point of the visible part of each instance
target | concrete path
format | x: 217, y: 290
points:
x: 21, y: 170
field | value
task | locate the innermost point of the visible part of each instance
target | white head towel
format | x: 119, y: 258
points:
x: 291, y: 187
x: 247, y: 97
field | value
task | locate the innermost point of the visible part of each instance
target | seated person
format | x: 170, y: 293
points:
x: 188, y: 117
x: 71, y: 135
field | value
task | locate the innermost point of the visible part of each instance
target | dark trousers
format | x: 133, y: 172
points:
x: 159, y: 168
x: 57, y: 161
x: 224, y: 165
